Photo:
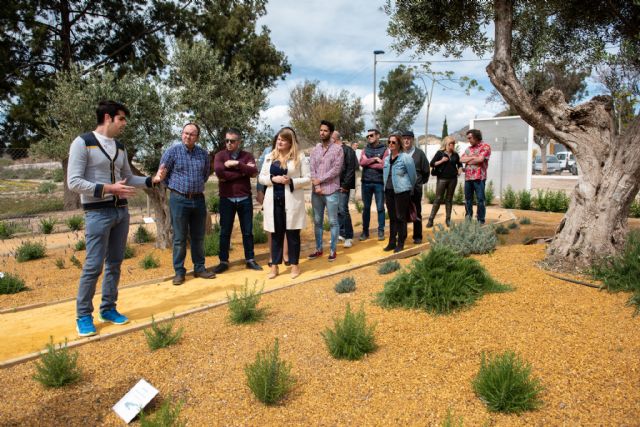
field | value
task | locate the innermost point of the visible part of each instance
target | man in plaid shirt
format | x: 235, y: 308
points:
x: 476, y: 159
x: 326, y: 165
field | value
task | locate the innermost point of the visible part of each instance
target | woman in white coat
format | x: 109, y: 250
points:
x: 286, y: 174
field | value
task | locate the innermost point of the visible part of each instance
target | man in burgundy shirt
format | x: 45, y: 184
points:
x: 234, y: 169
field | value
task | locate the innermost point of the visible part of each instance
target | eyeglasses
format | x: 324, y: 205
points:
x: 392, y: 142
x: 371, y: 135
x: 227, y: 140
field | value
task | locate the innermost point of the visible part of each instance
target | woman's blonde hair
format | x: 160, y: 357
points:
x: 289, y: 135
x: 446, y: 140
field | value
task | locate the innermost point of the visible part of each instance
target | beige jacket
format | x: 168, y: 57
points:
x: 293, y: 201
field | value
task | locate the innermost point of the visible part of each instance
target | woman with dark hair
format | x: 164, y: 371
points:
x: 446, y: 165
x: 286, y: 174
x: 399, y: 175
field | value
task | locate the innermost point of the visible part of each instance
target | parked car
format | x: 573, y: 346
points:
x: 553, y: 165
x: 567, y: 159
x: 573, y: 169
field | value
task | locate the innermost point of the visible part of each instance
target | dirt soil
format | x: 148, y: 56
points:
x: 581, y: 342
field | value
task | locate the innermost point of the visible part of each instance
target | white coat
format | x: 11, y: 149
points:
x: 293, y: 201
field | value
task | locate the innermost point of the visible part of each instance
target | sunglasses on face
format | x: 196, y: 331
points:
x: 393, y: 142
x: 230, y: 141
x: 371, y: 135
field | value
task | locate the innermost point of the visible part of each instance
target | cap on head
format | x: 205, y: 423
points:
x: 408, y: 133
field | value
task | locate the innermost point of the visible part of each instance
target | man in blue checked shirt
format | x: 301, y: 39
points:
x: 185, y: 169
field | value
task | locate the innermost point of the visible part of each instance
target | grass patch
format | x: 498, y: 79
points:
x: 149, y: 261
x: 11, y: 284
x: 351, y: 337
x: 345, y: 285
x: 47, y: 188
x: 439, y: 282
x: 142, y: 235
x: 259, y: 235
x: 80, y: 245
x: 163, y: 335
x: 620, y: 273
x: 47, y: 225
x: 389, y: 267
x: 167, y: 415
x: 25, y: 206
x: 57, y: 367
x: 243, y: 305
x: 7, y: 229
x: 269, y: 377
x: 465, y: 238
x: 30, y: 250
x: 525, y: 220
x: 75, y: 222
x: 504, y: 383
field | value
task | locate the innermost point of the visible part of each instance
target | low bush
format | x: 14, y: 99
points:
x: 75, y: 223
x: 47, y: 225
x: 508, y: 198
x: 523, y: 200
x: 464, y: 237
x: 525, y: 220
x: 259, y: 235
x: 489, y: 194
x: 439, y: 282
x: 504, y: 384
x: 458, y: 197
x: 326, y: 226
x: 7, y: 229
x: 81, y: 245
x: 149, y: 261
x: 551, y: 201
x: 351, y: 337
x: 142, y: 235
x: 430, y: 194
x: 75, y: 261
x: 389, y: 267
x: 212, y: 243
x: 501, y: 229
x: 359, y: 206
x: 213, y: 204
x: 162, y: 335
x: 57, y: 175
x: 620, y: 273
x: 129, y: 252
x: 243, y: 305
x: 167, y: 415
x: 512, y: 225
x: 634, y: 210
x: 30, y: 250
x: 57, y: 367
x: 269, y: 377
x: 345, y: 285
x: 11, y: 284
x: 59, y: 262
x: 47, y: 188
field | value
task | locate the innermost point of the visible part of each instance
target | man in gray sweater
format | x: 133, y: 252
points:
x: 99, y: 171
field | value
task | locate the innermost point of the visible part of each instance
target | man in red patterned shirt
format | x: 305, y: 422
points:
x: 476, y: 159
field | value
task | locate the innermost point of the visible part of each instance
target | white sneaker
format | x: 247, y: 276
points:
x: 348, y: 243
x: 341, y: 239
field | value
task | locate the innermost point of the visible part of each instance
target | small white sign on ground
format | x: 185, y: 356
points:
x: 148, y: 220
x: 135, y: 400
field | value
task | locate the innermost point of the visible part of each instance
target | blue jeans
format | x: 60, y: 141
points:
x: 188, y: 218
x: 344, y: 217
x: 228, y: 210
x: 369, y: 189
x: 474, y: 186
x: 318, y: 202
x: 105, y: 234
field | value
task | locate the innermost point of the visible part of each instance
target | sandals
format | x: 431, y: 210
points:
x: 296, y: 273
x: 272, y: 274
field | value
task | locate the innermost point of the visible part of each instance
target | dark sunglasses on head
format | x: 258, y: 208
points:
x: 231, y: 140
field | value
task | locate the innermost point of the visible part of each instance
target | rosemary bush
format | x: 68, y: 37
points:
x: 259, y: 235
x: 512, y: 225
x: 75, y: 261
x: 142, y: 235
x: 269, y: 377
x: 501, y: 229
x: 489, y: 194
x: 47, y: 225
x: 464, y: 237
x: 129, y: 252
x: 524, y: 200
x: 7, y: 229
x: 167, y: 415
x: 75, y: 223
x: 29, y: 250
x: 212, y: 243
x: 458, y: 197
x: 80, y: 245
x: 351, y: 337
x: 149, y: 261
x: 359, y: 206
x: 525, y: 220
x: 509, y: 198
x: 243, y: 305
x: 57, y: 367
x: 345, y: 285
x: 11, y: 284
x: 389, y: 267
x: 59, y: 262
x: 162, y: 335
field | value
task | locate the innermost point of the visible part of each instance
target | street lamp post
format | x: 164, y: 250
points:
x: 375, y: 62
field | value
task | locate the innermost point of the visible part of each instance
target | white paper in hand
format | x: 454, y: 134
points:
x: 135, y: 400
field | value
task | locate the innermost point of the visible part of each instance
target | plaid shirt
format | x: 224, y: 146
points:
x: 187, y: 171
x: 479, y: 171
x: 326, y: 166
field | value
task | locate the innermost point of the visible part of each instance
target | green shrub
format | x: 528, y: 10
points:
x: 243, y: 305
x: 7, y: 229
x: 439, y: 282
x: 352, y: 338
x: 57, y: 367
x: 389, y: 267
x: 59, y: 262
x: 213, y: 204
x: 167, y: 415
x: 142, y: 235
x: 81, y: 245
x: 30, y: 250
x: 346, y: 285
x: 458, y: 197
x: 558, y: 201
x: 504, y: 384
x: 212, y: 244
x: 465, y: 238
x: 430, y: 194
x: 524, y: 200
x: 525, y: 220
x: 620, y: 273
x: 75, y: 261
x: 47, y: 187
x: 259, y: 235
x: 489, y: 194
x: 163, y: 335
x: 634, y: 210
x: 512, y: 225
x: 129, y: 252
x: 47, y: 225
x: 57, y: 175
x: 75, y: 223
x: 149, y: 261
x: 501, y: 229
x: 508, y: 198
x: 359, y: 206
x: 11, y: 284
x: 269, y: 377
x: 310, y: 212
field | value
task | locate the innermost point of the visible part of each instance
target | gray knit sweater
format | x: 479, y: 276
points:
x: 90, y: 168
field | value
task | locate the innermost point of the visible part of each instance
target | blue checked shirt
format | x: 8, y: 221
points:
x: 187, y: 171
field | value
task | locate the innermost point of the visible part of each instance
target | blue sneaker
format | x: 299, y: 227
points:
x: 85, y: 327
x: 113, y: 316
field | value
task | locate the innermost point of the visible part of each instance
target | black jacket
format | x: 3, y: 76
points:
x: 348, y: 173
x: 422, y: 167
x: 448, y: 170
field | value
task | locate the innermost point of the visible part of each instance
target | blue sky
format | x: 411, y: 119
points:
x: 333, y: 41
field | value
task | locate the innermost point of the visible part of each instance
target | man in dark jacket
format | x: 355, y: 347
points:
x: 347, y: 183
x: 422, y: 171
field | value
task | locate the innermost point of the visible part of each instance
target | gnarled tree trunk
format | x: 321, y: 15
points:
x: 158, y: 197
x: 596, y: 223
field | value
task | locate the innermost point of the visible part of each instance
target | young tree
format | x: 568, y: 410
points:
x: 445, y: 128
x: 401, y: 100
x: 526, y: 32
